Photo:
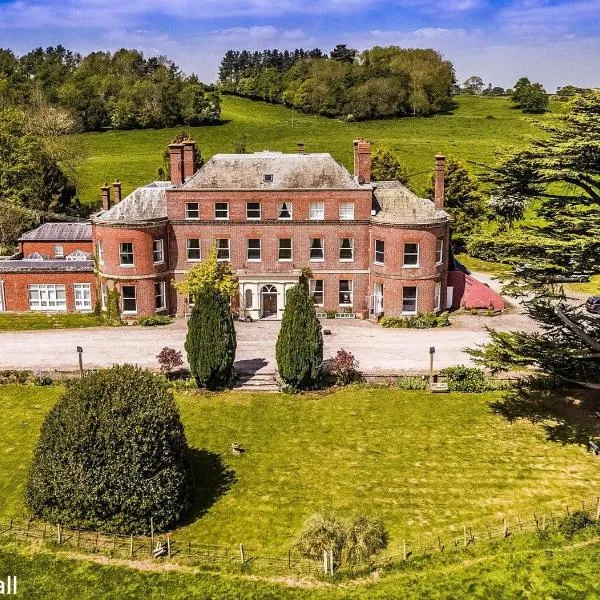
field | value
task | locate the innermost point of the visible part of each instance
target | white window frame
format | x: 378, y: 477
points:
x: 437, y: 296
x: 351, y: 259
x: 189, y: 211
x: 439, y: 251
x: 162, y: 293
x: 59, y: 251
x: 217, y: 210
x: 290, y: 209
x: 158, y: 248
x: 188, y: 248
x: 254, y: 249
x: 50, y: 302
x: 291, y: 249
x: 121, y: 254
x: 346, y: 211
x: 248, y: 209
x: 314, y: 291
x: 322, y: 247
x: 382, y: 252
x: 316, y: 211
x: 82, y: 304
x: 123, y: 298
x: 350, y: 291
x: 103, y: 296
x: 416, y: 299
x: 219, y: 249
x: 405, y: 254
x: 100, y: 252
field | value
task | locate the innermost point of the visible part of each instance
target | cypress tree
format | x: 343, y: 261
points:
x: 299, y: 349
x: 210, y: 343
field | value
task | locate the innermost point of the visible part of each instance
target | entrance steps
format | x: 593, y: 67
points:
x: 256, y: 382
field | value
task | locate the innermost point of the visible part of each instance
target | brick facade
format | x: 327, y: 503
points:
x: 383, y: 249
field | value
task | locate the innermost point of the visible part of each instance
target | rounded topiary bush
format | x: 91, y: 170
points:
x: 112, y: 454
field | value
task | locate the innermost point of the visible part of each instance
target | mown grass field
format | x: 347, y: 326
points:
x: 422, y: 463
x: 478, y: 130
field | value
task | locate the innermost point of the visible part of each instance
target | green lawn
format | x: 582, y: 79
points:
x: 477, y: 130
x: 483, y: 266
x: 422, y: 463
x: 31, y: 320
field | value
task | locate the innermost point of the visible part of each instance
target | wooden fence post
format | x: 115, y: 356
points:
x: 505, y: 528
x: 168, y: 545
x: 131, y: 545
x: 242, y: 554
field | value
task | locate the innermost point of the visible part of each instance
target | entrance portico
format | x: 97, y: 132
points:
x: 262, y: 295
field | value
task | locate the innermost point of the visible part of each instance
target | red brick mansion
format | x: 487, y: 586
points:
x: 372, y: 247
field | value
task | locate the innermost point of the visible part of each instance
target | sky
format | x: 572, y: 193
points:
x: 556, y: 42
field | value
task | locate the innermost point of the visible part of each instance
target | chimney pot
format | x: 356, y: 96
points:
x: 117, y: 188
x: 105, y: 196
x: 440, y: 173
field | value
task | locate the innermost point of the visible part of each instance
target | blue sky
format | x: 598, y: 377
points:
x: 552, y: 41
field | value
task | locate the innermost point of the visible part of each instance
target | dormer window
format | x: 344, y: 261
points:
x: 34, y: 256
x: 77, y: 255
x: 268, y: 177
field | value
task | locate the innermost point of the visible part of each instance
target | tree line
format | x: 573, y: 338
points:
x: 122, y: 90
x: 376, y: 83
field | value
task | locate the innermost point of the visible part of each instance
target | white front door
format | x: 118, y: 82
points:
x: 378, y: 299
x: 449, y: 296
x: 83, y: 296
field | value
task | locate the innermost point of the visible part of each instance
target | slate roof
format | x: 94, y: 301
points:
x: 289, y: 171
x: 395, y: 204
x: 45, y: 266
x: 146, y: 203
x: 59, y: 232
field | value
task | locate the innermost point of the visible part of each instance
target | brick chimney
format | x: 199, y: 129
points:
x: 440, y: 172
x: 117, y: 188
x: 105, y: 196
x: 176, y: 162
x: 300, y: 147
x: 189, y: 159
x: 362, y: 160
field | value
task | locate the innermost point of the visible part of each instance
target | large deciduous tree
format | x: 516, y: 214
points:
x: 299, y: 348
x: 530, y: 97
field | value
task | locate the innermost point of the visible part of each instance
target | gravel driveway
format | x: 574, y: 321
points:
x: 378, y: 350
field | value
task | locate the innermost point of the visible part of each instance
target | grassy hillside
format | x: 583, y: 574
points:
x: 477, y: 130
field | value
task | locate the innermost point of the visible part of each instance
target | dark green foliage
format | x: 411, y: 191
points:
x: 385, y: 82
x: 465, y: 379
x: 29, y: 177
x: 123, y: 90
x: 386, y: 166
x: 530, y: 97
x: 463, y: 199
x: 112, y: 454
x: 573, y: 523
x: 211, y: 342
x: 155, y: 320
x: 420, y: 321
x: 565, y: 350
x: 299, y: 349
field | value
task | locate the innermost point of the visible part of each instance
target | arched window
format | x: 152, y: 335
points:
x: 248, y: 298
x: 268, y: 289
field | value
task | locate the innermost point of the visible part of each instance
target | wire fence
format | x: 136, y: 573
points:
x: 172, y: 547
